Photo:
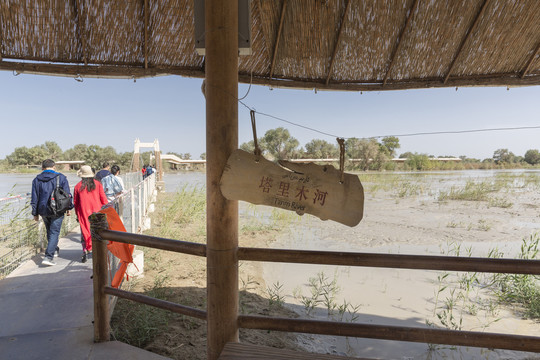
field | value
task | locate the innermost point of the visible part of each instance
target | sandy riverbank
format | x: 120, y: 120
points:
x: 402, y: 214
x: 415, y: 222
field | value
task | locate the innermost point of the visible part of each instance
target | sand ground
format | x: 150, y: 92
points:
x: 415, y: 223
x: 402, y: 214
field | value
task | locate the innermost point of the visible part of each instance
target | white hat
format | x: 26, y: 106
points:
x: 85, y: 172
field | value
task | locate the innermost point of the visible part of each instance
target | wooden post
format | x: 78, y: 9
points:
x: 221, y: 28
x: 102, y: 328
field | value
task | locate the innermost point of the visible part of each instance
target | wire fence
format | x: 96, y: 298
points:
x: 21, y: 237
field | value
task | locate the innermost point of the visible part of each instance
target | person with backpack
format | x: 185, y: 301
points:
x: 88, y: 197
x: 149, y: 170
x: 51, y: 199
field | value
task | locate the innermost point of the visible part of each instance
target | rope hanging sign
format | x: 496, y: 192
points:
x: 322, y: 191
x: 314, y: 189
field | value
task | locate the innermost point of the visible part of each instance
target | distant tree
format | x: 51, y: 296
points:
x: 367, y: 151
x: 53, y: 150
x: 27, y: 156
x: 351, y: 148
x: 320, y: 149
x: 532, y: 157
x: 203, y: 156
x: 418, y: 162
x: 125, y: 161
x: 406, y: 155
x: 389, y: 144
x: 19, y: 156
x: 280, y: 144
x: 249, y: 146
x: 503, y: 156
x: 465, y: 159
x: 77, y: 152
x: 96, y: 156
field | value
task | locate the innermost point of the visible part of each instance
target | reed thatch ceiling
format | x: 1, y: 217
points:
x: 324, y: 44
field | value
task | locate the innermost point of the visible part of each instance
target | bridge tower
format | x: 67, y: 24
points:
x: 157, y: 157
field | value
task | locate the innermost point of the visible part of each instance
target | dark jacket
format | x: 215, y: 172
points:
x: 101, y: 174
x: 42, y: 187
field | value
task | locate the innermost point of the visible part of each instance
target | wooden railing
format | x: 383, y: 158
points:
x: 397, y: 333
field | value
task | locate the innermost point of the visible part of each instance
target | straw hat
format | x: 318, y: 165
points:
x: 85, y: 172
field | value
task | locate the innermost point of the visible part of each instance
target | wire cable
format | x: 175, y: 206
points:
x: 395, y: 135
x: 290, y: 122
x: 459, y: 131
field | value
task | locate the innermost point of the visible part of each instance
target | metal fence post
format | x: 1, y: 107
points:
x: 133, y: 223
x: 40, y: 234
x: 140, y: 212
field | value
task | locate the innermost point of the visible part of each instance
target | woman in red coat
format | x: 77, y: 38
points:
x: 88, y: 197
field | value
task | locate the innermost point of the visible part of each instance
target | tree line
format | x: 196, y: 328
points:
x: 278, y: 144
x: 93, y: 155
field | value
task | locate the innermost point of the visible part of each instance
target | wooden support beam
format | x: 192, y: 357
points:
x: 276, y: 45
x: 338, y: 40
x: 529, y: 63
x: 400, y: 40
x: 465, y: 38
x: 417, y: 262
x: 399, y: 333
x: 105, y: 71
x: 1, y: 38
x: 221, y: 29
x: 162, y: 304
x: 146, y: 34
x: 129, y: 72
x: 183, y: 247
x: 79, y: 21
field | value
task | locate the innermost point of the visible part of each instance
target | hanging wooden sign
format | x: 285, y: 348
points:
x: 304, y: 188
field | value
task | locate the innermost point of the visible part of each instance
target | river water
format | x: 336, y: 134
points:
x: 17, y: 184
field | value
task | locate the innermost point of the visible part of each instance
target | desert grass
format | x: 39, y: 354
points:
x: 181, y: 279
x: 482, y: 296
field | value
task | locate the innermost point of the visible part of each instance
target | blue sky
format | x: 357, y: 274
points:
x: 35, y: 109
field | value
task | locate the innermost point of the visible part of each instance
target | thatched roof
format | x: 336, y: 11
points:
x: 324, y: 44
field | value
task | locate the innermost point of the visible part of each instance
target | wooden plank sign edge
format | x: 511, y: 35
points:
x: 303, y: 188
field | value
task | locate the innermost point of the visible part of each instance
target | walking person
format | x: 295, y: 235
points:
x: 113, y: 185
x: 43, y: 186
x: 119, y: 205
x: 149, y: 170
x: 143, y: 171
x: 89, y: 197
x: 105, y: 170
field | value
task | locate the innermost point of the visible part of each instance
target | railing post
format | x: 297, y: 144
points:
x: 221, y: 90
x: 133, y: 223
x: 139, y: 223
x: 41, y: 236
x: 102, y: 328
